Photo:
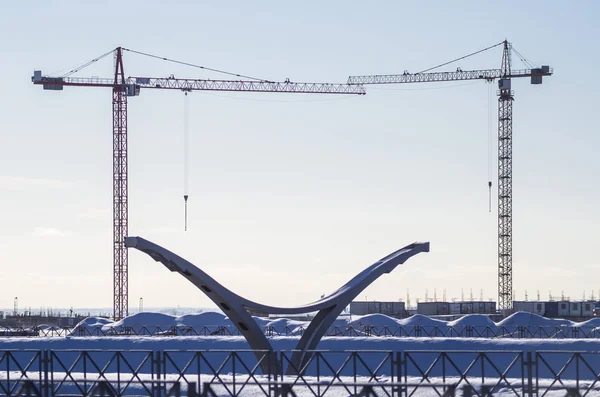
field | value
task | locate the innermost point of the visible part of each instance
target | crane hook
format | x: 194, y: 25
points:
x: 490, y: 194
x: 185, y: 198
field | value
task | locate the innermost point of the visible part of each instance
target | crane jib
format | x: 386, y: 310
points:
x: 458, y: 75
x: 132, y: 85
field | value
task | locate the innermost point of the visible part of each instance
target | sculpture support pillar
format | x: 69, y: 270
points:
x: 237, y: 308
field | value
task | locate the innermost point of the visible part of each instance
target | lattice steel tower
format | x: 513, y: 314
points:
x: 505, y: 100
x: 120, y: 191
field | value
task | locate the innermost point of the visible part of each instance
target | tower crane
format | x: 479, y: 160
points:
x: 124, y: 87
x: 504, y: 75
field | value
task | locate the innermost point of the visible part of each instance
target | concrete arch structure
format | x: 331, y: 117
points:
x: 237, y: 307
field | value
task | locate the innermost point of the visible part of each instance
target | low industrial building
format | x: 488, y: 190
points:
x: 558, y: 309
x: 453, y: 308
x: 33, y: 320
x: 575, y: 310
x: 546, y: 309
x: 433, y: 308
x: 392, y: 309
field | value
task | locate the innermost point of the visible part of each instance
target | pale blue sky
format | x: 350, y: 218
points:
x: 290, y: 190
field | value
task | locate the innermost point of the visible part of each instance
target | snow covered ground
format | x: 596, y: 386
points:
x: 374, y: 350
x: 201, y: 358
x: 520, y: 324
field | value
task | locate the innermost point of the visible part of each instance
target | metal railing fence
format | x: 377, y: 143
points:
x: 416, y: 331
x: 174, y: 373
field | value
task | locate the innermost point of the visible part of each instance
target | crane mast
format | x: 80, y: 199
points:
x: 124, y: 87
x: 505, y: 100
x: 120, y: 192
x: 504, y: 76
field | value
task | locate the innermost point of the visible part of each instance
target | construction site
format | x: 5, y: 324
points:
x: 299, y: 199
x: 127, y: 88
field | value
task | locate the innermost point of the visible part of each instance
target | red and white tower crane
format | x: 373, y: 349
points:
x: 504, y: 75
x: 124, y: 87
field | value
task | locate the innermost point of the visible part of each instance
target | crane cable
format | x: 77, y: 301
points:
x: 523, y: 59
x: 463, y: 57
x: 490, y: 145
x: 85, y: 65
x: 196, y: 66
x: 186, y: 139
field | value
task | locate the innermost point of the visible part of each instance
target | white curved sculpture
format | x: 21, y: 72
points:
x: 236, y: 307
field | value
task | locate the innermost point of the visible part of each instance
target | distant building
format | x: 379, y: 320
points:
x: 392, y: 309
x: 473, y: 307
x: 557, y: 309
x: 433, y: 308
x: 463, y: 307
x: 533, y: 307
x: 28, y: 320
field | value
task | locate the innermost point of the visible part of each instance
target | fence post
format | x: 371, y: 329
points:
x: 367, y: 391
x: 469, y: 391
x: 577, y: 371
x: 28, y: 390
x: 191, y: 389
x: 481, y: 357
x: 102, y: 389
x: 45, y: 381
x: 274, y: 369
x: 234, y: 354
x: 157, y: 369
x: 486, y: 391
x: 85, y: 357
x: 450, y: 391
x: 207, y: 390
x: 529, y: 369
x: 174, y: 391
x: 398, y: 364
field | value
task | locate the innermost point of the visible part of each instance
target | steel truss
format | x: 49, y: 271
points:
x: 505, y: 102
x: 170, y: 373
x: 120, y: 193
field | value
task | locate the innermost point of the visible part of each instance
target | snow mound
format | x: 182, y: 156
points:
x: 473, y: 320
x: 204, y: 319
x: 422, y: 321
x: 341, y: 322
x: 157, y: 323
x: 374, y: 320
x: 262, y: 322
x: 473, y: 325
x: 286, y: 323
x: 419, y: 325
x: 286, y: 327
x: 591, y: 323
x: 524, y: 319
x: 90, y: 326
x: 281, y: 326
x: 95, y: 321
x: 146, y: 319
